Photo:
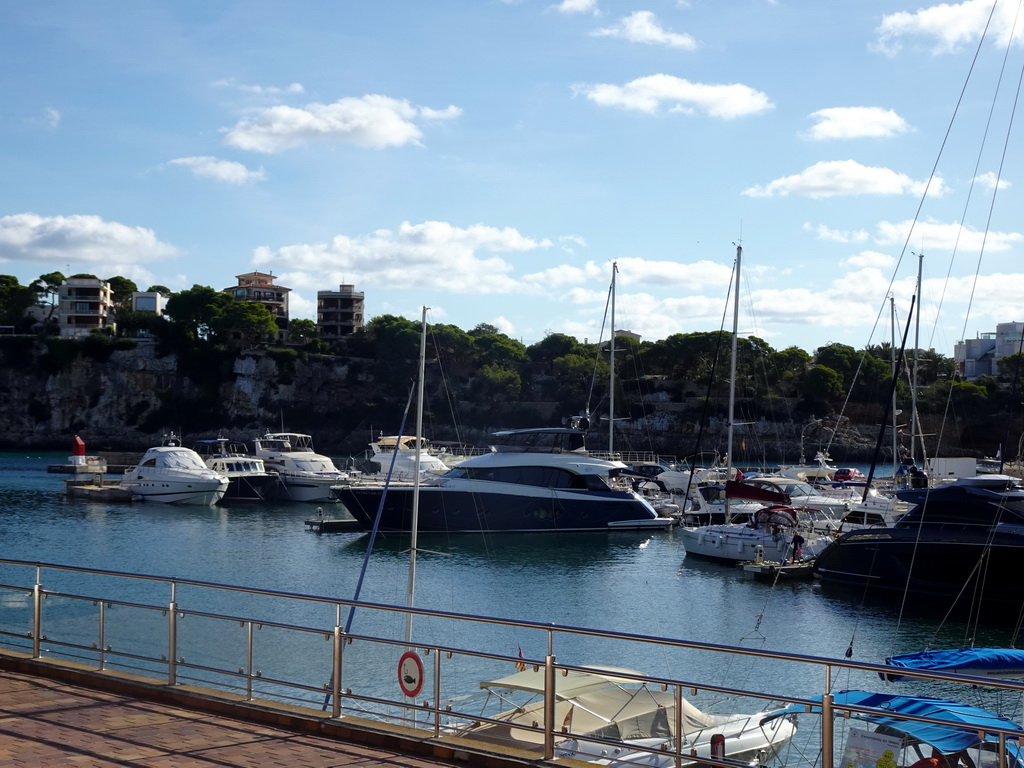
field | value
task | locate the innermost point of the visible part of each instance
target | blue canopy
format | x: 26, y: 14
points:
x: 965, y: 721
x: 978, y: 662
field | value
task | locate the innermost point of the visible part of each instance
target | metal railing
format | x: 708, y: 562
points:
x: 292, y: 648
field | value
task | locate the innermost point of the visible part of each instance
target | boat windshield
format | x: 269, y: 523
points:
x: 542, y: 477
x: 182, y: 460
x: 540, y: 441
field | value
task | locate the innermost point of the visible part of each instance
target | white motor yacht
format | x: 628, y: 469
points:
x: 402, y: 450
x: 304, y: 474
x: 172, y: 474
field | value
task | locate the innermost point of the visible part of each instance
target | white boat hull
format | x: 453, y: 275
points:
x: 199, y: 493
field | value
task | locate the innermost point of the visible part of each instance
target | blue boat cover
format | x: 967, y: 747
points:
x: 978, y: 662
x: 965, y: 721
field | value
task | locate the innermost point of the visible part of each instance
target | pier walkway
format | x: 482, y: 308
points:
x: 48, y: 722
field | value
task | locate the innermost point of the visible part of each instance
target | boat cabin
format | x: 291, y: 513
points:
x: 555, y: 440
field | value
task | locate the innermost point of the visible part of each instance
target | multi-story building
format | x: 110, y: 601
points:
x: 339, y: 313
x: 86, y: 305
x: 981, y: 356
x: 259, y: 288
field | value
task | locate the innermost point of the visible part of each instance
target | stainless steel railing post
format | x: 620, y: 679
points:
x: 103, y: 635
x: 339, y: 646
x: 172, y: 639
x: 248, y: 662
x: 37, y: 614
x: 549, y: 707
x: 827, y: 731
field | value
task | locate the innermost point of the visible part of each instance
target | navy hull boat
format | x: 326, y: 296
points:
x: 963, y: 540
x: 534, y: 480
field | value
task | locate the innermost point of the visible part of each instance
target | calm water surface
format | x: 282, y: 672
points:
x: 633, y: 582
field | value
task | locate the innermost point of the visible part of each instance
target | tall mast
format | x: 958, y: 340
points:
x: 732, y: 377
x: 410, y: 596
x: 914, y: 426
x: 892, y: 356
x: 611, y: 370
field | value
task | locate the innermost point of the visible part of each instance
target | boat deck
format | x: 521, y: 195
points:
x: 49, y: 722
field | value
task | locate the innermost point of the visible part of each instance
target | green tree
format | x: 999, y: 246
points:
x: 498, y: 384
x: 302, y: 330
x: 162, y: 289
x: 47, y: 290
x: 484, y: 329
x: 1011, y: 367
x: 15, y: 299
x: 822, y: 387
x: 198, y: 310
x: 500, y: 350
x: 552, y: 346
x: 121, y: 290
x: 245, y: 321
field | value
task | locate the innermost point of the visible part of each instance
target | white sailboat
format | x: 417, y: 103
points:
x: 776, y: 533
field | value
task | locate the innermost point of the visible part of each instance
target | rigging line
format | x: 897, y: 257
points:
x: 874, y: 462
x: 981, y: 147
x: 994, y: 192
x: 376, y: 520
x: 597, y: 354
x: 707, y: 399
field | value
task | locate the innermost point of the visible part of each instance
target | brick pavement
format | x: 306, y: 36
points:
x: 48, y: 722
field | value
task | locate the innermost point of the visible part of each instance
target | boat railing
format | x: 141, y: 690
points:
x: 332, y: 658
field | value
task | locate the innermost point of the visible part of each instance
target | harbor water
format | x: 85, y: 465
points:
x: 631, y: 582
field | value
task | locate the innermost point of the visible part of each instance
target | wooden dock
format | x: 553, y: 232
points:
x: 333, y: 525
x: 96, y: 489
x: 803, y: 570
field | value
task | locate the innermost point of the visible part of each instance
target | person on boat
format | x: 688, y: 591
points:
x: 798, y: 547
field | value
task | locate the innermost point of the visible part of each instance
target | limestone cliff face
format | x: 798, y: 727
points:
x: 135, y: 396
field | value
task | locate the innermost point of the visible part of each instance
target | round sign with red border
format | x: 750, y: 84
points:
x: 410, y: 674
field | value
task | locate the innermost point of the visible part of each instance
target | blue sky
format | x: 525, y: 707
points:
x: 490, y: 159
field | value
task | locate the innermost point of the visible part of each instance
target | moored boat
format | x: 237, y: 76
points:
x: 248, y: 479
x: 304, y: 475
x: 171, y: 474
x: 962, y: 539
x: 532, y: 480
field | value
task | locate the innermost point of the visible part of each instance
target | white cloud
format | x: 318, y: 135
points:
x: 949, y: 25
x: 568, y: 243
x: 79, y: 238
x: 226, y: 171
x: 372, y: 121
x: 643, y: 27
x: 261, y: 90
x: 433, y: 255
x: 844, y: 177
x: 648, y: 94
x: 822, y: 232
x: 856, y: 123
x: 564, y: 274
x: 577, y: 6
x: 51, y: 117
x: 991, y: 181
x: 872, y: 259
x: 945, y: 236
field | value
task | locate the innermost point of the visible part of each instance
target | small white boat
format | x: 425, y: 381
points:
x: 402, y: 450
x: 606, y: 705
x: 248, y: 479
x: 304, y: 474
x: 171, y: 474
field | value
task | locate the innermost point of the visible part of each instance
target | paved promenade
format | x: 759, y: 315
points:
x: 48, y: 722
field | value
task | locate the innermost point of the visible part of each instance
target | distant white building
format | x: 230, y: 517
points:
x: 86, y: 305
x: 980, y: 356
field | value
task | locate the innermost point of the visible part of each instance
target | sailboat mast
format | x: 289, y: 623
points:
x: 611, y: 370
x: 892, y: 356
x: 914, y: 427
x: 414, y: 526
x: 732, y: 377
